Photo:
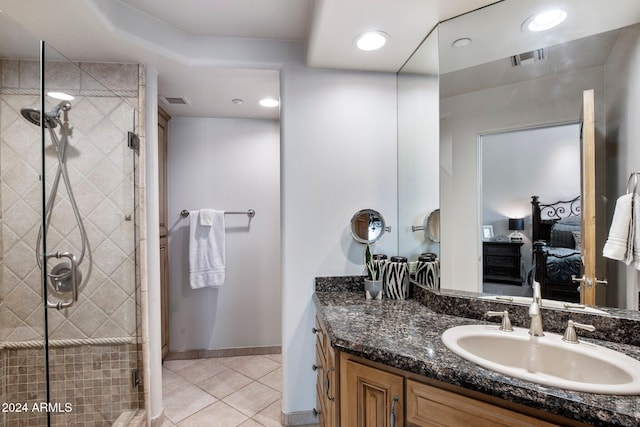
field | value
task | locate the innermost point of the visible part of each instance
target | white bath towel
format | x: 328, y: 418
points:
x: 206, y: 249
x: 620, y: 242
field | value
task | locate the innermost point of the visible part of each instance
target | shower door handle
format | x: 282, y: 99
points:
x: 74, y: 281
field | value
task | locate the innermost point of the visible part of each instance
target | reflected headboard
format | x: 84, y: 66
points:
x: 543, y: 216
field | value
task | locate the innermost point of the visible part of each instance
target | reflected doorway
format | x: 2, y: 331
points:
x: 513, y: 166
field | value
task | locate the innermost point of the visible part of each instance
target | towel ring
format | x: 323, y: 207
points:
x: 634, y: 176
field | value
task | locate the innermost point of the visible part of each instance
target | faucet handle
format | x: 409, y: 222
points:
x: 570, y: 335
x: 505, y: 325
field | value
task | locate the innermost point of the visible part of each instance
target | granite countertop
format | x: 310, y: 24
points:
x: 406, y: 335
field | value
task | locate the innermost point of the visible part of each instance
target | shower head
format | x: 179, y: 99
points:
x: 33, y: 116
x: 62, y: 106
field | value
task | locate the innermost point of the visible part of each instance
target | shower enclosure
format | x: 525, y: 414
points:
x: 69, y: 347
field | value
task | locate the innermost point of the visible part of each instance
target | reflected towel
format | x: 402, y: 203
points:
x: 635, y: 230
x: 619, y: 244
x: 206, y: 249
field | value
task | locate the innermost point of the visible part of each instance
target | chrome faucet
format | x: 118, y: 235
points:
x: 535, y: 313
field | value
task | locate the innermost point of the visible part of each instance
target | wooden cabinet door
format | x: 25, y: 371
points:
x: 370, y: 397
x: 163, y: 123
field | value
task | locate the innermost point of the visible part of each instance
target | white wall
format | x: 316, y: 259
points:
x: 467, y: 116
x: 233, y: 165
x: 622, y: 84
x: 338, y: 156
x: 517, y: 165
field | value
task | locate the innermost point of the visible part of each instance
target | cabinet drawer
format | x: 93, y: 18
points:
x: 501, y: 250
x: 431, y: 406
x: 501, y: 261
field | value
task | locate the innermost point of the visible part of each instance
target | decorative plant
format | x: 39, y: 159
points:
x: 374, y: 268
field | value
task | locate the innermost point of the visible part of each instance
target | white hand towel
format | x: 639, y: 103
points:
x: 206, y: 250
x: 206, y: 216
x: 619, y: 244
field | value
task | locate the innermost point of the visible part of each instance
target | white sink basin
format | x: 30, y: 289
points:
x: 546, y: 303
x: 546, y: 360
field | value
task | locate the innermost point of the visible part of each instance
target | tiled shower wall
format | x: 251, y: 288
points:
x: 101, y: 170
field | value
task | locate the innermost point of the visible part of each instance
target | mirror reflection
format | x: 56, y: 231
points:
x: 532, y: 81
x: 508, y: 82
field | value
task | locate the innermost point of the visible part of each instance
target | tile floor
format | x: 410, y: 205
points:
x: 226, y: 392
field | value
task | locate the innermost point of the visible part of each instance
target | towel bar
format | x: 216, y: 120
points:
x: 250, y: 213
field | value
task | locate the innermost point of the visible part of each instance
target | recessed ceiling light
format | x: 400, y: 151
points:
x: 463, y: 42
x: 371, y: 40
x: 545, y: 20
x: 237, y: 101
x: 61, y: 95
x: 269, y: 102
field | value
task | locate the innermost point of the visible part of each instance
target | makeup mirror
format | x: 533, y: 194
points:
x: 367, y: 226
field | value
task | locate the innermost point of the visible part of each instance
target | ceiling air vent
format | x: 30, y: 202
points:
x: 173, y: 100
x: 527, y: 57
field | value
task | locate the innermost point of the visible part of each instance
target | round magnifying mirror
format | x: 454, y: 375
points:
x: 432, y: 226
x: 367, y: 226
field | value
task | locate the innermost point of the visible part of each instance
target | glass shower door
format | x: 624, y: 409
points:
x: 22, y: 316
x: 68, y: 288
x: 89, y: 240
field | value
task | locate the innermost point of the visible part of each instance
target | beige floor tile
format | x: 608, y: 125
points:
x: 216, y: 415
x: 273, y: 379
x: 176, y: 365
x: 224, y: 383
x: 271, y: 415
x: 249, y: 386
x: 184, y: 402
x: 201, y: 370
x: 253, y: 367
x: 253, y: 398
x: 172, y: 382
x: 250, y: 423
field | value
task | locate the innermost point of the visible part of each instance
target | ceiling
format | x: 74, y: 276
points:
x: 212, y: 51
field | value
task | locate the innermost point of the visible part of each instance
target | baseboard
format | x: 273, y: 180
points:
x: 225, y: 352
x: 302, y: 418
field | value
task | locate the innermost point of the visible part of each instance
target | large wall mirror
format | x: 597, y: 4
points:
x: 502, y: 84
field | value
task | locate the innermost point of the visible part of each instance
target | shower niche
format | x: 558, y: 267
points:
x: 69, y: 291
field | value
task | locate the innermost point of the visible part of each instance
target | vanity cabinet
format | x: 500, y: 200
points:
x: 356, y: 392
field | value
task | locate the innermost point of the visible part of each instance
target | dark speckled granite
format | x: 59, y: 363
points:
x: 406, y: 335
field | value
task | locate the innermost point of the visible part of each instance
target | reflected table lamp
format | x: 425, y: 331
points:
x: 516, y: 225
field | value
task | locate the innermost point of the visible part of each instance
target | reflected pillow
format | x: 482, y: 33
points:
x: 562, y: 235
x: 576, y: 238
